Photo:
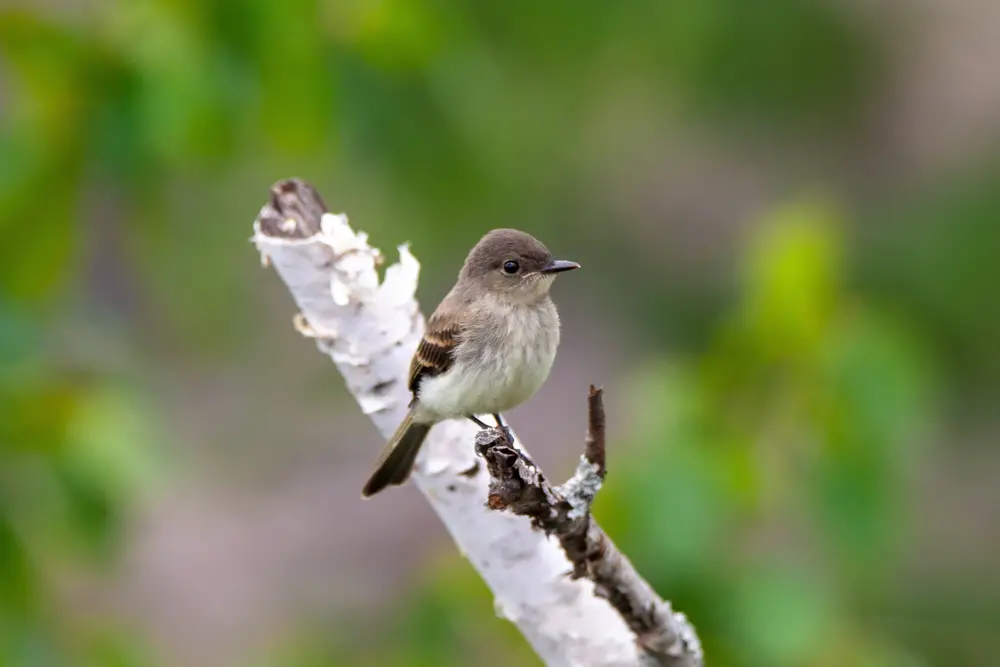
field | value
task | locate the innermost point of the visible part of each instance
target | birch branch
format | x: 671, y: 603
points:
x: 601, y: 615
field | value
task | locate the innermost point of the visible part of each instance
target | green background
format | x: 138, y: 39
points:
x: 789, y: 221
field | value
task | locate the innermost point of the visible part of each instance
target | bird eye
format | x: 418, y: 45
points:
x: 510, y: 266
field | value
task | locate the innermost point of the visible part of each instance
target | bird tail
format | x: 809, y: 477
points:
x: 396, y: 460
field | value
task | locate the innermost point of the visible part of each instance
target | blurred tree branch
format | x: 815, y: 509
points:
x: 369, y: 329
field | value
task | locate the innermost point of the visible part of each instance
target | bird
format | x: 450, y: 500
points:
x: 487, y: 348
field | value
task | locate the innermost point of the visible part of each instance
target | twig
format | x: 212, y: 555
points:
x: 369, y: 328
x: 518, y: 485
x: 594, y: 444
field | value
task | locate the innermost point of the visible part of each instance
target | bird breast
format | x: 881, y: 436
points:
x: 504, y: 356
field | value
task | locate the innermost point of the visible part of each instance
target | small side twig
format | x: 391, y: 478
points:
x: 593, y: 449
x: 517, y: 485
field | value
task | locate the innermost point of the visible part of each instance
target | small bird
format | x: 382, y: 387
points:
x: 488, y: 346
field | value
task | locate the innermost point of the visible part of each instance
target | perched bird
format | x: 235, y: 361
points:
x: 488, y: 346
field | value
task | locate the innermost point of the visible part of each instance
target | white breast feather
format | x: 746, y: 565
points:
x: 509, y: 364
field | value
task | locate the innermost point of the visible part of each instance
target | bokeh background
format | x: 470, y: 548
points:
x: 789, y: 217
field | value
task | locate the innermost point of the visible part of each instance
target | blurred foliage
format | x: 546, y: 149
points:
x: 942, y: 274
x: 778, y: 463
x: 449, y: 620
x: 776, y: 449
x: 71, y: 443
x: 445, y: 101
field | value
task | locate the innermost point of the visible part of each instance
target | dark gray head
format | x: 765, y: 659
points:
x: 511, y: 262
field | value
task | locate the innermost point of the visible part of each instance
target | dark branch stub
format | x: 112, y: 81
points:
x: 516, y: 484
x: 293, y: 211
x: 594, y: 447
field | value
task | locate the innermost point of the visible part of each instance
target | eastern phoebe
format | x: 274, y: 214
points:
x: 488, y: 347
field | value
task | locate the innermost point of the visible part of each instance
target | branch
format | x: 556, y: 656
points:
x: 518, y: 485
x: 370, y: 329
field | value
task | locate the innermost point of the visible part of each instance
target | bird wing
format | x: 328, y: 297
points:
x: 436, y: 351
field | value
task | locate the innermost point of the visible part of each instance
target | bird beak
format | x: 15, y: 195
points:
x: 558, y: 266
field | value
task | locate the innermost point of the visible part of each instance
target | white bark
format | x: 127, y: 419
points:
x: 370, y: 330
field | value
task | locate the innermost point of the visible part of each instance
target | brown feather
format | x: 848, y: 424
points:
x: 436, y: 351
